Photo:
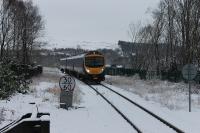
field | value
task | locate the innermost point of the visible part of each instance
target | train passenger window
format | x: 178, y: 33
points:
x: 94, y: 61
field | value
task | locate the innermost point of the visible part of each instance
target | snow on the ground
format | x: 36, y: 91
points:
x: 93, y: 114
x: 168, y: 100
x: 174, y: 96
x: 145, y: 122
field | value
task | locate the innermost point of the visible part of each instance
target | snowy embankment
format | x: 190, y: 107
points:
x: 44, y: 91
x: 174, y: 96
x: 168, y: 100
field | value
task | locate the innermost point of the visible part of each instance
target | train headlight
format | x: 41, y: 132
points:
x: 87, y: 70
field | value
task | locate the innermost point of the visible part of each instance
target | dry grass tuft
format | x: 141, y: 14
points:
x: 55, y: 90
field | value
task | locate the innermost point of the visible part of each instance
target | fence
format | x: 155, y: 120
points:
x: 126, y: 72
x: 173, y: 76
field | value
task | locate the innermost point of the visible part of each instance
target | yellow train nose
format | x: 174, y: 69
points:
x: 94, y: 70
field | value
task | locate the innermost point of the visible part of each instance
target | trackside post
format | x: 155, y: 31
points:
x: 189, y: 72
x: 67, y: 85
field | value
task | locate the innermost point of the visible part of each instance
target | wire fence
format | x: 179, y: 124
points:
x: 173, y: 76
x: 125, y: 72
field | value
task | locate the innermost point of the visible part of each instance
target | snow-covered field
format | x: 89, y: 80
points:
x: 95, y: 115
x: 166, y: 99
x: 174, y: 96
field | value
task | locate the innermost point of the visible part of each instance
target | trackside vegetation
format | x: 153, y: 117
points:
x: 20, y: 29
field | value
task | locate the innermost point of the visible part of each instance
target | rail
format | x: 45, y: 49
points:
x: 116, y: 109
x: 146, y: 110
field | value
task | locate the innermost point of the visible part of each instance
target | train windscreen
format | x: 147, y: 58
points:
x: 94, y: 61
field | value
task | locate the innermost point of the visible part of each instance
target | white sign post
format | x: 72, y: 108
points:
x: 189, y: 72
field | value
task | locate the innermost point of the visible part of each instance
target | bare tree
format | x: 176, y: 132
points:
x: 173, y: 37
x: 20, y: 27
x: 5, y: 25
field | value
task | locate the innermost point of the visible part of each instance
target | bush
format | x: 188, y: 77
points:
x: 10, y: 81
x: 142, y: 74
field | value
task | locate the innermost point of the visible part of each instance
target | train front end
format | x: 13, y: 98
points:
x: 94, y: 65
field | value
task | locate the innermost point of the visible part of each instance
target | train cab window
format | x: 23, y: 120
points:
x: 94, y: 61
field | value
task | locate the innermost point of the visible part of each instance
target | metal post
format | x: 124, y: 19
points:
x: 189, y: 80
x: 66, y: 99
x: 189, y: 96
x: 67, y: 85
x: 189, y: 72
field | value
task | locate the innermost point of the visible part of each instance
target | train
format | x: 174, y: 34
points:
x: 88, y: 66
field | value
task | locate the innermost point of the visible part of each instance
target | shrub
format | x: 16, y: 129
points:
x: 10, y: 81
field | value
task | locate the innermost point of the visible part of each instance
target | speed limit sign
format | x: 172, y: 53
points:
x: 67, y: 83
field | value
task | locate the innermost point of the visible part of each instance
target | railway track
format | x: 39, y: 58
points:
x: 118, y: 111
x: 151, y: 118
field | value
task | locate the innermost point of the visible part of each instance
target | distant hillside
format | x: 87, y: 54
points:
x: 51, y: 58
x: 89, y: 45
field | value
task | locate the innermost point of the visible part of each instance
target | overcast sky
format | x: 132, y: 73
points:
x: 70, y: 22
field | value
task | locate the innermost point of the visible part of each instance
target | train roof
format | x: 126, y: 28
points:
x: 81, y: 55
x: 63, y: 59
x: 76, y: 57
x: 73, y: 57
x: 93, y: 52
